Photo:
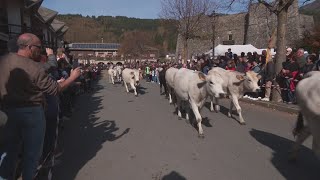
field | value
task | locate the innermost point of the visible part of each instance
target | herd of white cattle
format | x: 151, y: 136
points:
x: 189, y: 89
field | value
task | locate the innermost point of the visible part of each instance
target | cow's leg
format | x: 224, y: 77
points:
x: 236, y: 104
x: 125, y: 85
x: 316, y: 146
x: 134, y: 88
x: 165, y: 89
x: 112, y: 79
x: 301, y: 137
x: 230, y: 109
x: 217, y: 107
x: 211, y: 104
x: 170, y: 97
x: 198, y: 117
x: 187, y: 109
x: 179, y: 108
x: 161, y: 87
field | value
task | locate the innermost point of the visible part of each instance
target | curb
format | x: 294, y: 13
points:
x: 272, y: 105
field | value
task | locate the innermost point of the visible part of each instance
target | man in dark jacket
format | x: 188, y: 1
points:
x: 268, y: 74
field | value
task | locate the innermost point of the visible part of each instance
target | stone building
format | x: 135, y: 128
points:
x: 253, y: 27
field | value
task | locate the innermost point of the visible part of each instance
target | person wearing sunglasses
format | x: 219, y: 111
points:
x: 23, y: 83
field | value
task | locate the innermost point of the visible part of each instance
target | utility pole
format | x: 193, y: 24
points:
x: 213, y: 27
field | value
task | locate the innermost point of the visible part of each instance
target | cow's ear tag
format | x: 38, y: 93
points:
x: 132, y: 73
x: 240, y: 77
x: 201, y: 76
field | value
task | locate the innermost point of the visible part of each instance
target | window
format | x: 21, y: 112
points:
x: 230, y: 37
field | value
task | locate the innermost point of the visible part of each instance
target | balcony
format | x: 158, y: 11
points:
x: 229, y: 42
x: 12, y: 30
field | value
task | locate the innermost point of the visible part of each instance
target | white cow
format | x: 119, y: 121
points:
x: 194, y: 87
x: 169, y: 76
x: 112, y: 74
x: 308, y: 97
x: 118, y: 70
x: 236, y: 84
x: 132, y: 77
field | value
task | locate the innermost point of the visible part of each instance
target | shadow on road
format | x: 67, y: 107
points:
x: 141, y: 90
x: 307, y: 166
x: 84, y: 135
x: 173, y: 176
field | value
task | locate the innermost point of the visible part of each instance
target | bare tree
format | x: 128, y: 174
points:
x: 280, y: 9
x: 134, y: 43
x: 188, y: 14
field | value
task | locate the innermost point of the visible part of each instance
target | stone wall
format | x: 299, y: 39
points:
x: 254, y: 27
x: 260, y: 26
x: 228, y: 24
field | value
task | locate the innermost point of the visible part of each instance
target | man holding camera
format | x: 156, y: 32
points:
x: 23, y: 83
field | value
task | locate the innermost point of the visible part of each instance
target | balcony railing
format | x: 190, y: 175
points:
x: 13, y: 30
x: 229, y: 42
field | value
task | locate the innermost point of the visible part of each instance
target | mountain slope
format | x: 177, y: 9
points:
x: 312, y: 9
x: 113, y: 29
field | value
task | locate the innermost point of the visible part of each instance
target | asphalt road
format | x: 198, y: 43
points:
x: 117, y: 136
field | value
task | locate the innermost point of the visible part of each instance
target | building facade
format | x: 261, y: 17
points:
x: 22, y: 16
x: 253, y: 27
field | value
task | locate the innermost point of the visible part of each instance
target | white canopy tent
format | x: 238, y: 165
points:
x: 220, y: 50
x: 273, y: 53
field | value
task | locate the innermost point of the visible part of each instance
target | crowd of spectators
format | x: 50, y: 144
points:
x: 297, y: 63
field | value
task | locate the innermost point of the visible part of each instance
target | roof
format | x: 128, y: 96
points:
x: 57, y: 25
x: 63, y: 30
x: 47, y: 14
x: 93, y: 46
x: 31, y: 3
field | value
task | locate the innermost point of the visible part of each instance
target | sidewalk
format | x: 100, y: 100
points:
x: 289, y: 108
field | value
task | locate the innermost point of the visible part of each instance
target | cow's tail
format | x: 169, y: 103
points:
x: 299, y: 125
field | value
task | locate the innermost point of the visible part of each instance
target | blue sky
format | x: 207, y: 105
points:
x: 148, y: 9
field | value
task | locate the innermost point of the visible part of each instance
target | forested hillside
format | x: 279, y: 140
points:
x: 161, y: 35
x: 312, y: 9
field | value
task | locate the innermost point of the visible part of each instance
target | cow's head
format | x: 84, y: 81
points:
x: 135, y: 77
x: 250, y: 81
x: 214, y: 83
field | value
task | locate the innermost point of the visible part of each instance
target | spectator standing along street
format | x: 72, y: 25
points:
x: 23, y: 84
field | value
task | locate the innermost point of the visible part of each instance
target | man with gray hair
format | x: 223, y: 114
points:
x: 301, y: 59
x: 23, y: 83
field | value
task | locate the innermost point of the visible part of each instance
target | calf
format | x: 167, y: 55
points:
x: 118, y: 70
x: 112, y: 74
x: 169, y: 77
x: 132, y: 77
x: 308, y: 97
x: 235, y: 84
x: 194, y: 88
